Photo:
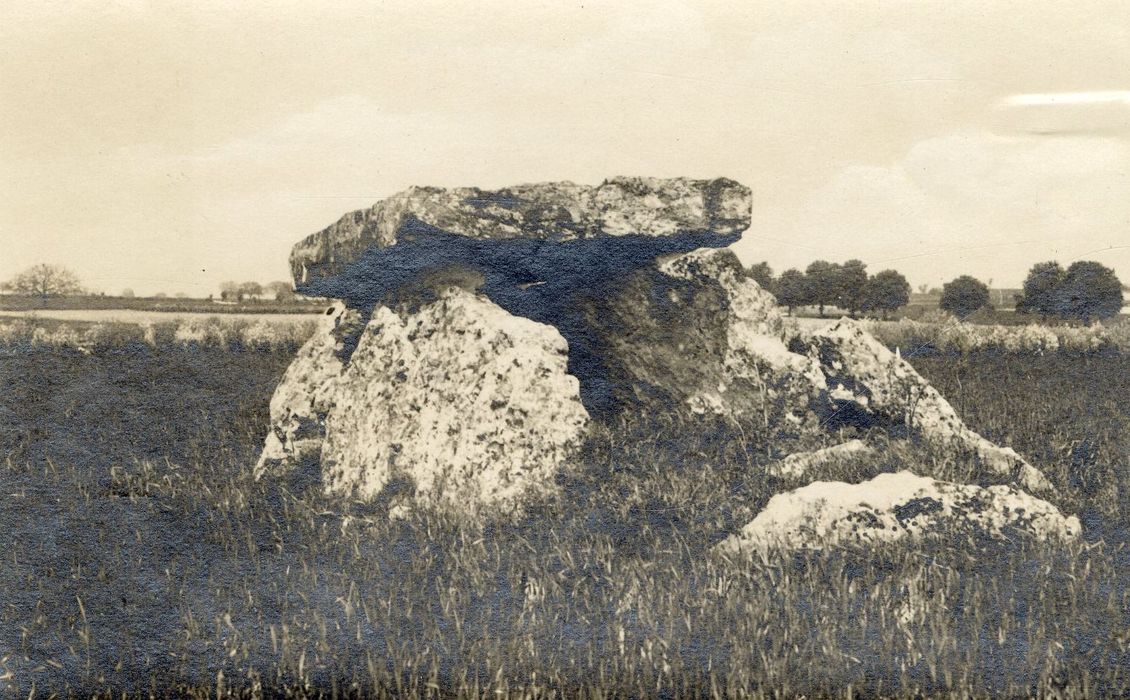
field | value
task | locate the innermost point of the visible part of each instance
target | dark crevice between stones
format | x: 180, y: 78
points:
x: 838, y: 414
x: 349, y: 330
x: 547, y: 281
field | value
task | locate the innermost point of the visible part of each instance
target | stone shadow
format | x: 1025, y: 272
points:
x: 549, y: 281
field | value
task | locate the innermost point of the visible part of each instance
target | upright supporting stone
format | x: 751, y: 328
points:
x: 459, y: 404
x: 696, y: 331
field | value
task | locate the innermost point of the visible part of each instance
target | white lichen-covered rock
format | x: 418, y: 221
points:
x: 802, y: 464
x: 896, y: 508
x: 864, y: 375
x: 305, y: 395
x: 459, y: 403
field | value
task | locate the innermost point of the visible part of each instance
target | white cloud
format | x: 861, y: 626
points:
x: 1096, y: 112
x: 1069, y: 98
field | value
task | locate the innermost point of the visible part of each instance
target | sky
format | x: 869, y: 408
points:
x: 166, y: 147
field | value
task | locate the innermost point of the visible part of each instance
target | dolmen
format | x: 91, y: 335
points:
x: 477, y: 334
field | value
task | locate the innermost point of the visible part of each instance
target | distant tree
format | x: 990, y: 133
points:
x: 250, y: 289
x: 964, y: 295
x: 127, y: 293
x: 1090, y: 291
x: 45, y: 281
x: 160, y: 295
x: 1042, y: 290
x: 763, y: 275
x: 885, y: 292
x: 792, y: 289
x: 229, y: 291
x: 923, y: 288
x: 851, y: 282
x: 281, y: 291
x: 823, y: 284
x: 181, y: 295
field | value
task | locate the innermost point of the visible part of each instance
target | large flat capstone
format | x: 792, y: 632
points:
x: 557, y: 233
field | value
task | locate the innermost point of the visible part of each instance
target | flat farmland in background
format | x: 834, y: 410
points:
x: 139, y: 316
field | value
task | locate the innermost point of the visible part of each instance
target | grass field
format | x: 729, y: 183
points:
x: 139, y: 317
x: 141, y: 558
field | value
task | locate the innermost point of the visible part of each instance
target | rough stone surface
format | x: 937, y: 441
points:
x: 895, y: 508
x: 553, y: 213
x: 697, y: 330
x: 870, y: 385
x: 458, y: 404
x: 803, y: 464
x: 306, y: 394
x: 756, y: 363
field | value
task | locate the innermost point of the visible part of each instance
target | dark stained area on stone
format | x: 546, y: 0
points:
x: 835, y: 414
x: 915, y: 507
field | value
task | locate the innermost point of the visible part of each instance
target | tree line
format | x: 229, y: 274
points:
x: 46, y: 280
x: 241, y: 291
x: 1085, y: 291
x: 846, y: 286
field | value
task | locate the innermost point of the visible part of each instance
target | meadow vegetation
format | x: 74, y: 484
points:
x: 940, y: 334
x: 196, y: 333
x: 141, y: 556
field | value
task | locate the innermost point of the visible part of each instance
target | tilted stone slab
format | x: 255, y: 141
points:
x: 870, y: 385
x: 698, y: 330
x: 898, y: 508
